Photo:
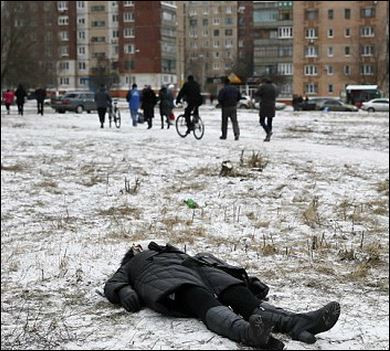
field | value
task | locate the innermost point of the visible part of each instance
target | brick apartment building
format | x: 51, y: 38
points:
x: 337, y: 43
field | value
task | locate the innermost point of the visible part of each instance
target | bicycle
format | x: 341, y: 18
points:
x: 197, y: 129
x: 114, y: 115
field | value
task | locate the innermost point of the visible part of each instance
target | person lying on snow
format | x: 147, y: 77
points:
x: 223, y: 297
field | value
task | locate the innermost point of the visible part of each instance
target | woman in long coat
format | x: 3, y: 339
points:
x: 173, y: 283
x: 267, y: 93
x: 148, y: 101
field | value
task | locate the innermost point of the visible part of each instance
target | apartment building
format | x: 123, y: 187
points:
x: 118, y: 43
x: 337, y: 43
x: 245, y: 39
x: 211, y: 44
x: 273, y: 42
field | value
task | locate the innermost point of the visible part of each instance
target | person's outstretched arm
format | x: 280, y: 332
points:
x: 119, y: 291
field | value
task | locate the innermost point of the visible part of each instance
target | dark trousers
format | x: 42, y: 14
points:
x: 148, y: 115
x: 196, y: 301
x: 266, y: 126
x: 7, y: 106
x: 40, y: 107
x: 230, y: 112
x: 187, y: 113
x: 20, y: 108
x: 102, y: 114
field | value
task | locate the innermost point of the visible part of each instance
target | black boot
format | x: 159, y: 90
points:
x: 223, y: 321
x: 300, y: 326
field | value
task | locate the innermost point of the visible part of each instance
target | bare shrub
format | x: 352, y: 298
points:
x: 383, y: 187
x: 311, y: 216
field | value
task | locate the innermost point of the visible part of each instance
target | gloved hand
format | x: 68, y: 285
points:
x: 129, y: 299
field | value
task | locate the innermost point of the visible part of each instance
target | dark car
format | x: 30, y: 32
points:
x: 74, y: 101
x: 335, y: 105
x: 312, y: 104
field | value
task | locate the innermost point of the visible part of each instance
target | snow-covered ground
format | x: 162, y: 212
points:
x: 306, y: 213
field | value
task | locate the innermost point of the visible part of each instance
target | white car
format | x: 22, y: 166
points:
x: 376, y: 105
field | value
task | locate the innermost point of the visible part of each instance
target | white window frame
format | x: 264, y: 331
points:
x: 129, y: 32
x: 347, y: 70
x: 330, y: 33
x: 216, y: 21
x: 329, y: 70
x: 129, y: 49
x: 285, y: 32
x: 82, y: 65
x: 64, y: 35
x: 345, y: 33
x: 63, y: 20
x: 128, y: 3
x: 310, y: 70
x: 369, y: 52
x: 285, y: 69
x: 81, y: 50
x: 62, y: 5
x: 311, y: 88
x: 311, y: 33
x: 367, y: 70
x: 80, y: 4
x: 311, y: 51
x: 128, y: 17
x: 367, y: 32
x: 330, y: 51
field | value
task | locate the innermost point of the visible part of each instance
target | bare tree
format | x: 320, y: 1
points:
x: 27, y: 55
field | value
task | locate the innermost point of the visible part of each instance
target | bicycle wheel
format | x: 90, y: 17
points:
x: 198, y: 129
x: 118, y: 118
x: 181, y: 126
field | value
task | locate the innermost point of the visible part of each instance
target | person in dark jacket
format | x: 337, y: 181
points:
x: 148, y: 101
x: 40, y: 95
x: 173, y: 283
x: 103, y: 102
x: 21, y: 95
x: 166, y: 105
x: 228, y: 98
x: 190, y: 92
x: 267, y: 94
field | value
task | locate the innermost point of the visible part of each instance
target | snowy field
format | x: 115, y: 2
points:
x: 306, y: 213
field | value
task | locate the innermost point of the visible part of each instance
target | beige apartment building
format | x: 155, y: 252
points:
x: 337, y: 43
x: 211, y: 39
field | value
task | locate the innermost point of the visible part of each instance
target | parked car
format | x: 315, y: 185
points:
x: 245, y: 102
x: 335, y: 105
x: 313, y: 103
x: 74, y: 101
x: 278, y: 106
x: 376, y: 105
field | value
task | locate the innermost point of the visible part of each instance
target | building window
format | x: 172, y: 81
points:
x: 330, y: 33
x: 367, y: 12
x: 228, y: 21
x: 347, y: 32
x: 64, y: 51
x: 241, y: 43
x: 128, y: 3
x: 115, y: 34
x: 228, y: 32
x: 285, y: 69
x: 347, y: 51
x: 216, y: 21
x: 98, y: 24
x: 83, y: 81
x: 347, y: 70
x: 285, y: 51
x: 367, y: 31
x: 99, y: 8
x: 63, y: 20
x: 311, y: 51
x: 330, y: 88
x: 80, y: 4
x: 228, y: 10
x: 367, y: 70
x: 62, y: 5
x: 329, y: 70
x: 128, y: 32
x: 265, y: 16
x: 228, y: 43
x: 311, y: 33
x: 82, y: 66
x: 64, y: 81
x: 216, y: 44
x: 115, y: 18
x: 216, y: 54
x: 169, y: 16
x: 81, y: 20
x: 347, y: 13
x: 311, y: 14
x: 81, y: 35
x: 310, y: 70
x: 81, y: 50
x: 129, y: 49
x: 64, y: 36
x: 285, y: 32
x: 311, y: 88
x: 216, y: 66
x: 98, y: 39
x: 367, y: 50
x: 330, y: 14
x: 64, y: 66
x: 216, y: 32
x: 128, y: 16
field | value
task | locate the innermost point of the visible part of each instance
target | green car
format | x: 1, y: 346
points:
x: 75, y: 102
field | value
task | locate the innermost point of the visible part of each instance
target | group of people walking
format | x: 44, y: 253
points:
x: 20, y: 94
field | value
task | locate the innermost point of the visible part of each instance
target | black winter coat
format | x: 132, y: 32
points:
x: 267, y: 94
x: 20, y: 94
x: 155, y: 276
x: 229, y: 96
x: 190, y: 92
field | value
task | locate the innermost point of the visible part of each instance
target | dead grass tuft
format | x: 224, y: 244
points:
x: 13, y: 168
x: 311, y: 216
x: 124, y: 211
x: 383, y: 187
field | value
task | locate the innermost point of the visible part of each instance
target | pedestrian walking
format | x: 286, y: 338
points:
x: 8, y: 100
x: 267, y: 94
x: 148, y: 101
x: 21, y: 95
x: 40, y: 95
x: 227, y: 300
x: 103, y: 102
x: 228, y: 98
x: 134, y: 100
x: 166, y: 105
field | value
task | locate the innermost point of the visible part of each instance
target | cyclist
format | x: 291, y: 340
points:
x: 190, y: 92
